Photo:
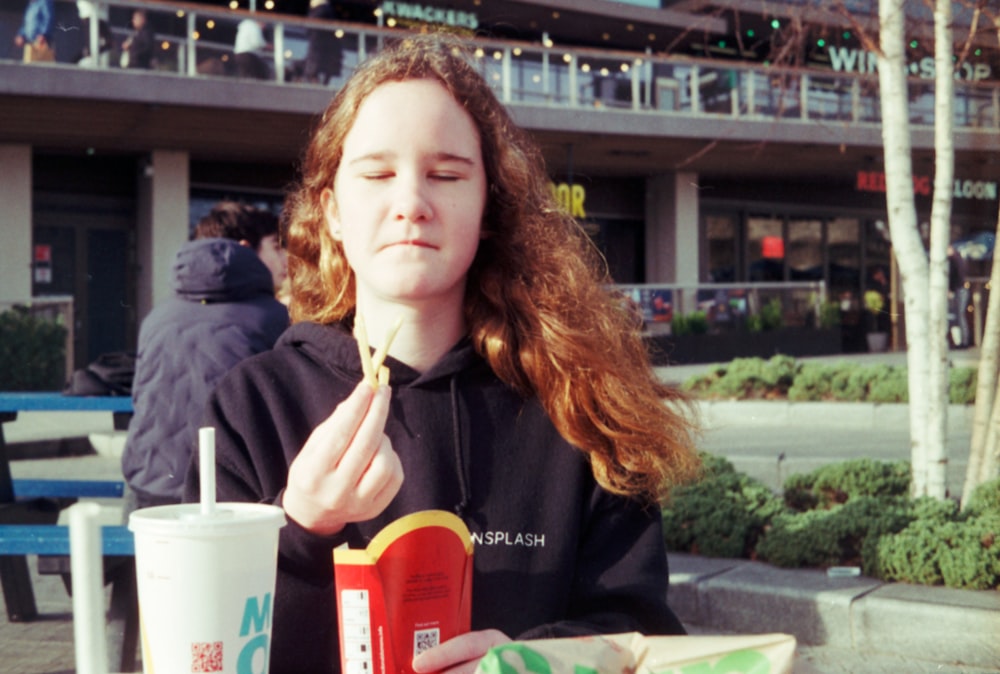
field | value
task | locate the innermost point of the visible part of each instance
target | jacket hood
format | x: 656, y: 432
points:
x: 217, y: 270
x: 335, y: 347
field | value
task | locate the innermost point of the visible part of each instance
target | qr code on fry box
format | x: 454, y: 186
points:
x: 408, y: 591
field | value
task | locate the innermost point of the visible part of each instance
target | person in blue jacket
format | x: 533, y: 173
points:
x: 35, y: 33
x: 223, y: 310
x: 522, y: 397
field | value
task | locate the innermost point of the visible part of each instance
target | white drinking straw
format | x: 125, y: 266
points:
x: 86, y: 565
x: 206, y: 465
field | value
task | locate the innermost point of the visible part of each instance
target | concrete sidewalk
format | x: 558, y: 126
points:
x: 844, y: 625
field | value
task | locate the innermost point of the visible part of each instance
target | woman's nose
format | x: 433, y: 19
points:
x: 412, y: 199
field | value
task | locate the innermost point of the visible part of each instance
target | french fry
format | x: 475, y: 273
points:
x: 364, y: 351
x: 375, y: 372
x: 383, y: 351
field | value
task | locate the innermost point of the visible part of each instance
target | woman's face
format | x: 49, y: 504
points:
x: 408, y: 199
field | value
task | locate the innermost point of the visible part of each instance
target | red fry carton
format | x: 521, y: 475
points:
x: 409, y: 590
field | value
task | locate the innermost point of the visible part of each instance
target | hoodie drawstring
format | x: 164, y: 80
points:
x: 463, y: 483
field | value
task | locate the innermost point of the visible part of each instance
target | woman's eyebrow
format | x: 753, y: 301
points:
x: 372, y: 156
x: 437, y: 157
x: 448, y: 156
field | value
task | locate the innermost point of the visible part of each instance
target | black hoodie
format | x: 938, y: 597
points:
x: 554, y: 554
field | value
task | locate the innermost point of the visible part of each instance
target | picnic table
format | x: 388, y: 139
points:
x: 29, y: 512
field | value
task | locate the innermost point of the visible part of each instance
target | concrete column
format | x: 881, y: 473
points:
x: 162, y: 223
x: 15, y: 232
x: 672, y: 229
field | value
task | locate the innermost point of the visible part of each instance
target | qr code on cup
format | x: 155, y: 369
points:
x: 206, y: 656
x: 424, y: 639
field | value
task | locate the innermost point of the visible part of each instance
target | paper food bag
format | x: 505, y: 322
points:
x: 409, y: 590
x: 633, y: 653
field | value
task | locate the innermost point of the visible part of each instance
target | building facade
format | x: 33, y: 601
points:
x: 699, y: 143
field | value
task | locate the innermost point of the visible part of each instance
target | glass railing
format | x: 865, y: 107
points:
x: 198, y: 41
x: 730, y: 307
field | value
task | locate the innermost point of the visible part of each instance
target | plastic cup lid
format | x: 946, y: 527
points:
x: 234, y: 519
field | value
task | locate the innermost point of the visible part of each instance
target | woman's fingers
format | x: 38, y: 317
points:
x: 459, y: 654
x: 331, y: 438
x: 347, y: 471
x: 367, y: 437
x: 382, y: 479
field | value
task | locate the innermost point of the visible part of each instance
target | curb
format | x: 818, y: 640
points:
x: 721, y: 413
x: 936, y: 624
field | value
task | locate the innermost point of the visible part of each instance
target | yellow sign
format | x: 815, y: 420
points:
x: 571, y: 198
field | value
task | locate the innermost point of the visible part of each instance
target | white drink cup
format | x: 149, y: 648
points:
x: 206, y: 586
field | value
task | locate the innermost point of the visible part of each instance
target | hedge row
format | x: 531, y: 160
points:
x: 785, y: 378
x: 854, y: 513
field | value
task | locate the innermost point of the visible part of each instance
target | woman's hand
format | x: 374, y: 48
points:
x: 347, y: 471
x: 459, y: 655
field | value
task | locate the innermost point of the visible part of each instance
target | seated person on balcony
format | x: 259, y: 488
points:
x: 90, y: 11
x: 138, y: 48
x: 223, y: 311
x: 522, y: 397
x: 35, y: 33
x: 249, y: 40
x: 323, y: 54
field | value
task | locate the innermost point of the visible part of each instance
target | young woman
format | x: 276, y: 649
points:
x: 522, y: 398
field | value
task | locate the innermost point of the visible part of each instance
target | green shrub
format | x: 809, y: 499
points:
x: 829, y: 314
x: 959, y: 553
x: 888, y: 385
x: 984, y: 499
x: 720, y: 515
x: 845, y: 534
x: 962, y: 385
x: 813, y: 382
x: 770, y: 317
x: 840, y: 482
x: 850, y: 383
x: 694, y: 323
x: 851, y: 513
x: 32, y: 352
x: 746, y: 378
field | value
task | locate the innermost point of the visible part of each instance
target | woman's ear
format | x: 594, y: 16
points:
x: 329, y: 205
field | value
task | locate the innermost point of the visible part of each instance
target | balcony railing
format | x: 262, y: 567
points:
x: 197, y: 40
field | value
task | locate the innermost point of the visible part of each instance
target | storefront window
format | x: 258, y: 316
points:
x: 721, y: 234
x: 765, y: 248
x: 843, y: 237
x: 805, y: 250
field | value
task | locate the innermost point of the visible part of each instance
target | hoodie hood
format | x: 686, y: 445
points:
x: 335, y: 347
x: 219, y: 270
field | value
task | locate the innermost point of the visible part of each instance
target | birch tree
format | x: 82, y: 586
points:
x: 923, y: 278
x: 984, y: 449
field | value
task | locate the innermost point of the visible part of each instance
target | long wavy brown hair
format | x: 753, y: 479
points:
x: 539, y: 303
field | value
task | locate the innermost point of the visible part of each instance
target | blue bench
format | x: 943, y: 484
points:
x: 29, y: 512
x: 53, y: 539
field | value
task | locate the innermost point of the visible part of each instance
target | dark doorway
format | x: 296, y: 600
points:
x: 89, y: 245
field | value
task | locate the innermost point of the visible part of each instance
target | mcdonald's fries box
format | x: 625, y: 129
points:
x: 633, y: 653
x: 409, y: 590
